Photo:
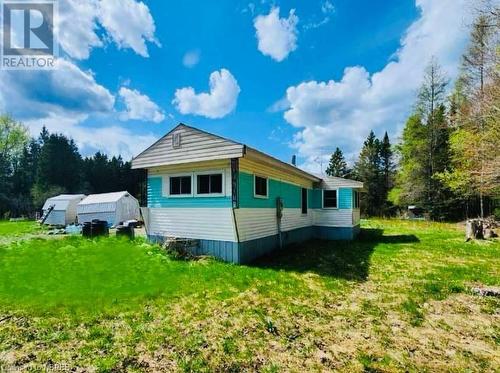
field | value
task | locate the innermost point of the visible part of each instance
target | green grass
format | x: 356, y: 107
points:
x: 20, y: 228
x: 396, y: 299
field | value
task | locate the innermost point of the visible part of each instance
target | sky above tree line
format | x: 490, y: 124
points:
x: 286, y: 77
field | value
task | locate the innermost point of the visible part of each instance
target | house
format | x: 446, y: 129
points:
x: 113, y: 207
x: 61, y: 209
x: 238, y: 202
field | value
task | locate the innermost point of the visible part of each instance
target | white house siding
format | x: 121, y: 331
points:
x: 197, y: 223
x: 195, y: 146
x: 254, y: 223
x: 333, y: 217
x: 355, y: 217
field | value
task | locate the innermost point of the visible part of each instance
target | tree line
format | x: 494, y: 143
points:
x: 447, y: 160
x: 34, y: 169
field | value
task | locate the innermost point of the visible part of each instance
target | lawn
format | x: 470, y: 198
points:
x: 10, y: 229
x: 398, y: 298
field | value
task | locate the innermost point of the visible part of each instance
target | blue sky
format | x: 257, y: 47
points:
x: 288, y: 77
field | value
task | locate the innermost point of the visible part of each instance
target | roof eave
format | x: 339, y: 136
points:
x: 253, y: 153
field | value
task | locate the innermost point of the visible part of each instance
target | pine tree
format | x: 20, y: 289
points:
x: 337, y: 166
x: 387, y: 163
x: 368, y: 169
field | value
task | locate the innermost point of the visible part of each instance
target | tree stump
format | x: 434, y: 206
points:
x: 474, y: 229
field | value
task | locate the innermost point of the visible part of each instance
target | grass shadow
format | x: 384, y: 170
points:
x: 348, y: 260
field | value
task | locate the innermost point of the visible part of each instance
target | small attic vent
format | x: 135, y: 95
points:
x: 176, y: 140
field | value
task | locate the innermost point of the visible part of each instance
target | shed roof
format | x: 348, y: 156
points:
x: 104, y: 198
x: 61, y: 201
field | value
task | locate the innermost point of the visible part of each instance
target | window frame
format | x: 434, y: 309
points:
x: 209, y: 172
x: 184, y: 174
x: 255, y: 195
x: 323, y: 199
x: 356, y: 199
x: 302, y: 201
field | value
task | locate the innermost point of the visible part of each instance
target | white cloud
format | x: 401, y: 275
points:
x: 220, y: 101
x: 76, y: 27
x: 341, y: 113
x: 139, y: 106
x: 276, y: 36
x: 113, y: 140
x: 126, y: 22
x: 191, y: 58
x: 129, y: 23
x: 66, y: 89
x: 327, y: 7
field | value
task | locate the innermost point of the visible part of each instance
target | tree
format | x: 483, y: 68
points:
x: 424, y: 150
x: 368, y: 169
x: 13, y: 138
x: 475, y: 160
x: 337, y: 166
x: 411, y: 179
x: 59, y: 165
x: 387, y: 163
x: 431, y: 96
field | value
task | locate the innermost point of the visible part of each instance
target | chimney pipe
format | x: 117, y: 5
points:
x: 294, y: 160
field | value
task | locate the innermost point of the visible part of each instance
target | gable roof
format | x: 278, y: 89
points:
x: 62, y: 201
x: 195, y: 146
x: 104, y: 198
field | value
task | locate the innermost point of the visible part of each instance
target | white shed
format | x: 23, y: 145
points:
x: 64, y: 211
x: 111, y: 207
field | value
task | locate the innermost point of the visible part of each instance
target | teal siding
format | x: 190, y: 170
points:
x: 344, y: 202
x: 156, y: 199
x: 290, y: 193
x: 316, y: 195
x: 345, y: 198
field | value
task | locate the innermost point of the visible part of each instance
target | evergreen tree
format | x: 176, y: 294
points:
x: 337, y: 166
x: 58, y: 168
x: 387, y: 163
x: 368, y: 169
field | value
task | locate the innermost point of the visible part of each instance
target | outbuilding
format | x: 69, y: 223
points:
x: 112, y: 207
x: 61, y: 209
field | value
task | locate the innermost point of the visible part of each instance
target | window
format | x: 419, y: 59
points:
x: 260, y: 186
x: 355, y: 199
x: 329, y: 199
x: 304, y: 200
x: 209, y: 184
x: 180, y: 185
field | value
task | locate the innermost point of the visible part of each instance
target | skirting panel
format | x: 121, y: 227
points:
x: 245, y: 252
x: 336, y: 233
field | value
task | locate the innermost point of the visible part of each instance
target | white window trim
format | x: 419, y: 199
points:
x: 209, y: 172
x: 167, y: 186
x: 323, y: 199
x: 255, y: 195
